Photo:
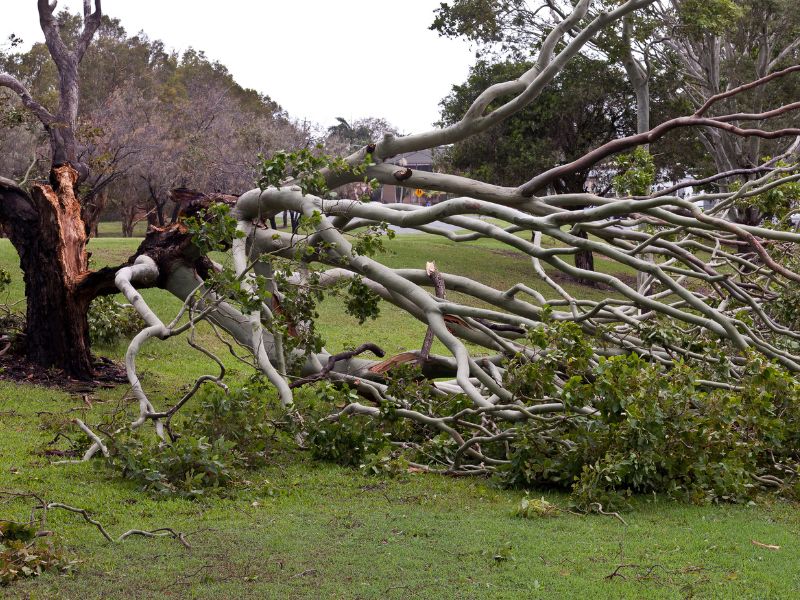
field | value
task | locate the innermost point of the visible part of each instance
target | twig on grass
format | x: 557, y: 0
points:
x: 599, y: 508
x: 46, y: 506
x: 162, y: 532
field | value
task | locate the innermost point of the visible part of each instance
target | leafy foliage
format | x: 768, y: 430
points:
x: 532, y: 508
x: 224, y: 432
x: 241, y: 416
x: 184, y: 468
x: 5, y: 280
x: 362, y: 302
x: 777, y: 203
x: 659, y: 430
x: 110, y: 321
x: 786, y: 306
x: 555, y: 349
x: 709, y: 16
x: 213, y: 229
x: 304, y: 168
x: 637, y: 173
x: 652, y: 429
x: 348, y: 440
x: 588, y: 104
x: 23, y: 555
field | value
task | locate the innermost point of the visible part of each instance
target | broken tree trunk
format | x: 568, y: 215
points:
x: 49, y: 235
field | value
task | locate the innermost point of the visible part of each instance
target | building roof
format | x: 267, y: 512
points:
x: 412, y: 159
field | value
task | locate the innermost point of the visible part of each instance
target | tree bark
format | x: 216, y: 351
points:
x: 46, y: 226
x: 584, y: 259
x: 92, y: 207
x: 638, y: 76
x: 49, y: 235
x: 574, y: 183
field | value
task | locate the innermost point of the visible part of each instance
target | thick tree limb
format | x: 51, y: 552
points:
x: 622, y: 144
x: 12, y: 83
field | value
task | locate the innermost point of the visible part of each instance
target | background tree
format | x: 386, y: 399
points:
x: 360, y: 133
x: 688, y: 49
x: 719, y: 46
x: 152, y: 119
x: 586, y: 105
x: 344, y: 138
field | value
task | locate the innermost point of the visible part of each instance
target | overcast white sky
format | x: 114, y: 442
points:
x: 319, y: 59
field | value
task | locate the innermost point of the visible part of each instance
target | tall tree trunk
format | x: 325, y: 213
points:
x: 575, y: 183
x: 640, y: 81
x: 156, y: 217
x: 584, y: 259
x: 46, y: 226
x: 92, y: 207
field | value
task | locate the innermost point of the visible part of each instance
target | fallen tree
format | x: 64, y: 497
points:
x: 549, y: 368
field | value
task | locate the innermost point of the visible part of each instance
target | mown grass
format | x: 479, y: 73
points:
x: 113, y: 229
x: 299, y: 529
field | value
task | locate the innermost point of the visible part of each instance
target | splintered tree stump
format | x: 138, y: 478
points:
x: 61, y: 224
x: 54, y: 259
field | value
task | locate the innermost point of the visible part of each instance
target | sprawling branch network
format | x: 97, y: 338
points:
x: 706, y: 281
x: 705, y: 275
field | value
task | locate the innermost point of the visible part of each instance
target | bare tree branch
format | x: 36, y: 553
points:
x: 12, y: 83
x: 91, y: 22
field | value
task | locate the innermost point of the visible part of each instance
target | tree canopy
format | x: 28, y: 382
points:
x: 587, y: 105
x: 149, y: 120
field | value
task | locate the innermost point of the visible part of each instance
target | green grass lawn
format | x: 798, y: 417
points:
x: 300, y: 529
x: 112, y: 229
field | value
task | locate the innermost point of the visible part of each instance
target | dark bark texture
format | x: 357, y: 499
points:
x: 46, y: 225
x: 46, y: 229
x: 584, y: 259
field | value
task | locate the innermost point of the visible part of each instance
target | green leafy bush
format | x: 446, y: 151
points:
x: 241, y: 416
x: 348, y: 440
x: 185, y: 468
x: 224, y: 432
x: 636, y: 173
x: 110, y: 321
x: 658, y: 430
